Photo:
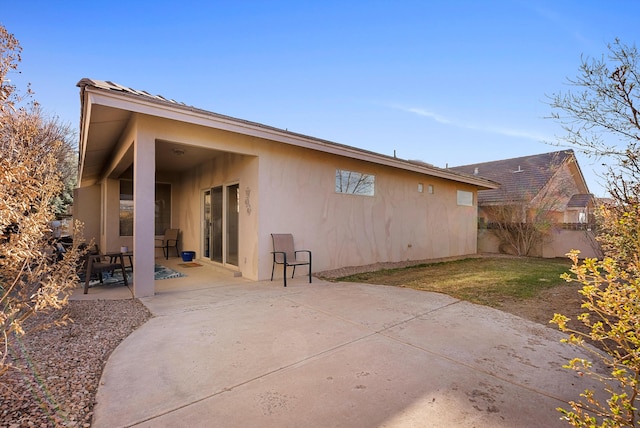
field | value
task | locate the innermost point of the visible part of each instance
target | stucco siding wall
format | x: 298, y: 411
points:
x: 557, y: 245
x: 288, y: 189
x: 398, y: 223
x: 562, y: 241
x: 86, y: 209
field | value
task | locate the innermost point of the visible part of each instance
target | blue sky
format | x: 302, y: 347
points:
x: 446, y: 82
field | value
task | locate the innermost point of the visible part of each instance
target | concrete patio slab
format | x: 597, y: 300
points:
x: 219, y: 347
x: 373, y: 382
x: 531, y: 348
x: 240, y: 353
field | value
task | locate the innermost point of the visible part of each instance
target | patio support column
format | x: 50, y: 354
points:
x: 144, y: 172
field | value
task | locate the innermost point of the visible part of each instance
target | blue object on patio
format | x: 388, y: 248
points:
x: 188, y: 256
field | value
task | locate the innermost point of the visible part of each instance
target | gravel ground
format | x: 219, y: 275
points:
x: 57, y: 371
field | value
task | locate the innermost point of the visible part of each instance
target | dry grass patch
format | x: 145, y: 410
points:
x: 489, y: 281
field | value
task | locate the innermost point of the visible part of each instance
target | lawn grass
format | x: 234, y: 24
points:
x: 487, y: 280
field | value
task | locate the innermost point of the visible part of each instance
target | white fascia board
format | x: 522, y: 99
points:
x: 183, y: 113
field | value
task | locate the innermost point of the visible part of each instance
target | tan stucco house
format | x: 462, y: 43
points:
x: 148, y: 163
x: 551, y: 183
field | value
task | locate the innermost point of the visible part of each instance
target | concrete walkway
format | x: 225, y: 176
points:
x: 243, y: 354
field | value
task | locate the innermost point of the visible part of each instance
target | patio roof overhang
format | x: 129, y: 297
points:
x: 108, y: 108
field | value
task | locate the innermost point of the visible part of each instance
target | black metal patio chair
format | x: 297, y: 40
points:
x: 285, y: 254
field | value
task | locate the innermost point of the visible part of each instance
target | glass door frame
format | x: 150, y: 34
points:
x: 231, y: 225
x: 223, y: 240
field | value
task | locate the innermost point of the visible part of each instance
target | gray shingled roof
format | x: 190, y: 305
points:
x: 521, y: 178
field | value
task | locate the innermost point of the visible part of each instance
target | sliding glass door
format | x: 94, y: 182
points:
x: 221, y: 208
x: 207, y: 222
x: 232, y: 220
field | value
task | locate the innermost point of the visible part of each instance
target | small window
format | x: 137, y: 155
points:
x: 420, y: 188
x: 430, y: 189
x: 465, y: 198
x: 354, y: 183
x: 162, y: 207
x: 126, y: 208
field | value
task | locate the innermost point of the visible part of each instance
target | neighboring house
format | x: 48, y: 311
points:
x: 148, y: 163
x: 549, y: 185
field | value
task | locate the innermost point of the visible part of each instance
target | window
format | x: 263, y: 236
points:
x: 162, y: 208
x: 354, y: 183
x: 465, y: 198
x: 126, y: 208
x: 582, y: 217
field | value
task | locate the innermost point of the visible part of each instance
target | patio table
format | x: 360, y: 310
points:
x: 118, y: 255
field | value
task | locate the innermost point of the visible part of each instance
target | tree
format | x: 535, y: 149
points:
x: 34, y: 277
x: 67, y: 162
x: 602, y: 120
x: 519, y: 227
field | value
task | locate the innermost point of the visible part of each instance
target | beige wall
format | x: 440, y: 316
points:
x: 288, y: 189
x: 97, y: 207
x: 564, y: 241
x: 396, y: 224
x: 86, y: 208
x: 284, y: 189
x: 558, y: 245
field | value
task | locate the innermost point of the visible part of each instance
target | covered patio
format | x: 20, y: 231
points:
x: 204, y: 276
x: 136, y: 180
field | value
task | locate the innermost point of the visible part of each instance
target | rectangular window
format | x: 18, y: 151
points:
x: 126, y: 208
x: 465, y: 198
x: 354, y: 183
x: 162, y: 207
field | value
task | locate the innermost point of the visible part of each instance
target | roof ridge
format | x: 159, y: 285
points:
x: 565, y: 151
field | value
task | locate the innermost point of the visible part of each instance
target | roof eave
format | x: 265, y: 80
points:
x: 82, y: 137
x: 91, y: 94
